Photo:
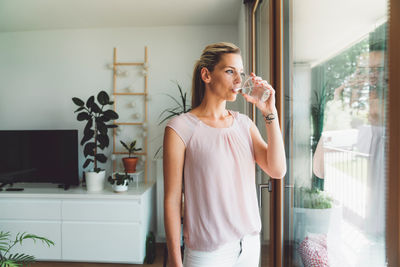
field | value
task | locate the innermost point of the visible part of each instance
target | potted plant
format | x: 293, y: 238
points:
x: 130, y: 162
x: 120, y: 182
x: 95, y: 136
x: 17, y: 259
x: 181, y: 107
x: 313, y: 211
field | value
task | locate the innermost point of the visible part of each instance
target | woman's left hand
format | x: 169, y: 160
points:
x: 269, y: 105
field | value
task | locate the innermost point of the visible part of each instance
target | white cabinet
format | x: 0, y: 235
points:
x: 89, y: 227
x: 36, y: 216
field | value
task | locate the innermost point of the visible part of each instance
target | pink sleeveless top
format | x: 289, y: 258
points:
x: 219, y: 182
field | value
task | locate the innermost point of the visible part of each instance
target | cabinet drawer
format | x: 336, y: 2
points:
x: 101, y: 210
x: 30, y: 209
x: 47, y: 229
x: 103, y: 242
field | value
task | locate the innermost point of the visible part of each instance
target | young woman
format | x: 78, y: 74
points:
x: 211, y: 152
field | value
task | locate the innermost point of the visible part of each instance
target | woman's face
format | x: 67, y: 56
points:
x: 226, y: 76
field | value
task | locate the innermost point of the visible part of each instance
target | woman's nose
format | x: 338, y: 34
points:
x: 238, y: 79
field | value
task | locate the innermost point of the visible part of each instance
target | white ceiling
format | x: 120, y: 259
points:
x: 26, y: 15
x: 320, y: 27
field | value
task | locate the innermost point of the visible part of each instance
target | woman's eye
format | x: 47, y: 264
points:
x: 229, y: 71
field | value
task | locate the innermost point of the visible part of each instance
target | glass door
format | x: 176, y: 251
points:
x: 335, y: 99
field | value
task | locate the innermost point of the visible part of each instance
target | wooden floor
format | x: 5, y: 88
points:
x: 157, y: 263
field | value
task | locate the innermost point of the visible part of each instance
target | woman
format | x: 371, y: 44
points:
x: 211, y: 151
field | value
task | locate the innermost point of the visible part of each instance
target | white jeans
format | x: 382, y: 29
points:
x: 244, y: 252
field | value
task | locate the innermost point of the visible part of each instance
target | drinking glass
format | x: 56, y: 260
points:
x: 257, y: 92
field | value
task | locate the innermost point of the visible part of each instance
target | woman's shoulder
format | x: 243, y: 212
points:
x: 184, y: 125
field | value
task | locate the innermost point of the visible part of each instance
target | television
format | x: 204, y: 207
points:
x: 39, y: 156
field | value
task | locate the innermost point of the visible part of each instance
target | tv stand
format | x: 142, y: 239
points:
x: 85, y: 226
x: 64, y: 186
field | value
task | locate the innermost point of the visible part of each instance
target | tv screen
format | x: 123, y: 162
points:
x: 39, y: 156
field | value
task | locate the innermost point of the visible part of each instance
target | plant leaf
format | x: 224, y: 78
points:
x: 78, y: 101
x: 87, y: 137
x: 101, y: 157
x: 103, y: 141
x: 112, y: 126
x: 79, y: 109
x: 124, y: 145
x: 101, y: 127
x: 87, y: 162
x: 96, y: 108
x: 88, y: 127
x: 111, y: 114
x: 89, y: 102
x: 88, y: 150
x: 103, y: 98
x: 83, y: 116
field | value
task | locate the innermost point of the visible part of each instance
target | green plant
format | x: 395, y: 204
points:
x: 18, y: 259
x: 312, y: 199
x: 181, y: 107
x: 95, y: 133
x: 131, y: 147
x: 120, y: 179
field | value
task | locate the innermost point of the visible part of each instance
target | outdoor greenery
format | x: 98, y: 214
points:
x: 342, y: 79
x: 95, y: 133
x: 18, y: 259
x: 131, y: 147
x: 312, y: 199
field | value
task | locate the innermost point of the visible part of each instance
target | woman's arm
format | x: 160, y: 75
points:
x: 173, y: 159
x: 270, y: 157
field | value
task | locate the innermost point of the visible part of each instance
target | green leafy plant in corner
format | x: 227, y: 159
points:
x: 181, y: 107
x: 131, y: 147
x: 95, y: 133
x: 17, y: 259
x: 120, y: 179
x: 312, y: 199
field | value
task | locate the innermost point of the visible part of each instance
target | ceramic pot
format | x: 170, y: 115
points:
x: 120, y: 188
x: 130, y: 164
x: 95, y: 181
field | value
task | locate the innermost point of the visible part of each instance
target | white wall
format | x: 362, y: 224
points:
x: 42, y: 70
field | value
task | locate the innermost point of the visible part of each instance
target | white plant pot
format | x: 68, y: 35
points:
x: 95, y: 181
x: 318, y: 221
x: 120, y: 188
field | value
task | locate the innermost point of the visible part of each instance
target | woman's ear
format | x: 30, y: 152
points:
x: 205, y: 75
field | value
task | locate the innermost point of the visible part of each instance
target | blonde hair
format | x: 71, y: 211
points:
x: 209, y: 58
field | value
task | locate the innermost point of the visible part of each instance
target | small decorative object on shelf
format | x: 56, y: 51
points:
x: 120, y: 182
x: 130, y: 162
x: 95, y: 136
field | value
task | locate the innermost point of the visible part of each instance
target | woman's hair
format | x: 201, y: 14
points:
x: 209, y: 58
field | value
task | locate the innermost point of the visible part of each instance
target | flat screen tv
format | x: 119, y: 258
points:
x: 39, y: 156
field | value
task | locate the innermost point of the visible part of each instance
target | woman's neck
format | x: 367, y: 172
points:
x: 212, y: 109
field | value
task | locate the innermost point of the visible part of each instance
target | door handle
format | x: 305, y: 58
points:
x: 269, y: 186
x: 263, y: 186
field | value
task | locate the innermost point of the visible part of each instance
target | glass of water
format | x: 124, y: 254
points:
x: 256, y: 91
